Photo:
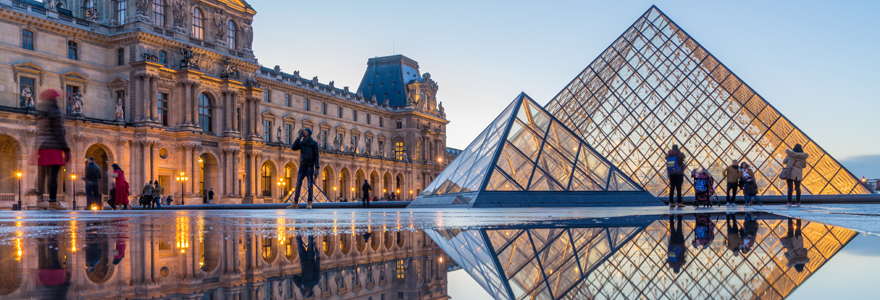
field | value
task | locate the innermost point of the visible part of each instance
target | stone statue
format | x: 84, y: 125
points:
x: 440, y: 107
x: 120, y: 113
x: 315, y: 81
x: 179, y: 13
x: 385, y: 102
x: 27, y: 96
x: 373, y: 98
x: 77, y: 106
x: 250, y: 81
x: 229, y: 70
x: 247, y: 33
x: 92, y: 14
x: 332, y: 83
x: 142, y: 6
x: 278, y: 135
x: 219, y: 24
x: 296, y: 74
x: 190, y: 59
x: 382, y: 272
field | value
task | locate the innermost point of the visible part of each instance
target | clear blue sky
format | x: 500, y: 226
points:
x: 815, y: 61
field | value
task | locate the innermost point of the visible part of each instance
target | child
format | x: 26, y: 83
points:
x: 749, y: 185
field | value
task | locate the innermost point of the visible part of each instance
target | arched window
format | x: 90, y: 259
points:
x: 205, y: 113
x: 231, y: 38
x: 159, y: 13
x: 266, y: 174
x: 198, y: 29
x: 288, y: 180
x: 27, y: 39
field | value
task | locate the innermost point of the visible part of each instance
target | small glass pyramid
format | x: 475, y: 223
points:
x: 656, y: 86
x: 527, y: 150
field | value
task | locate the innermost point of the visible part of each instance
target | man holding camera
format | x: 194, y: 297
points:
x: 308, y: 164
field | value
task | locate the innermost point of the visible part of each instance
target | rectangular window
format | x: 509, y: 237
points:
x: 287, y: 100
x: 306, y: 104
x: 159, y: 13
x: 163, y: 109
x: 368, y: 119
x: 163, y: 57
x: 354, y: 115
x: 238, y: 118
x: 323, y: 139
x: 323, y: 108
x: 267, y: 131
x: 27, y: 39
x: 25, y: 90
x: 339, y: 111
x: 398, y: 150
x: 288, y: 130
x: 418, y: 150
x: 72, y: 50
x: 266, y: 96
x: 381, y: 122
x: 120, y: 56
x: 121, y: 7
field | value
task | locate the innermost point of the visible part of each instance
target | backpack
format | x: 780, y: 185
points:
x: 701, y: 185
x: 672, y: 165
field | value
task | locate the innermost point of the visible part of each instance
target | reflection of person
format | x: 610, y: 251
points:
x: 93, y: 247
x: 309, y: 161
x: 750, y: 232
x: 310, y: 264
x: 52, y: 276
x: 793, y: 242
x: 52, y: 149
x: 366, y: 189
x: 734, y: 239
x: 675, y: 256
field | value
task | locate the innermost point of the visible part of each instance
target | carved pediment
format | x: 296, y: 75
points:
x: 117, y: 81
x: 268, y: 114
x: 340, y: 128
x: 28, y: 68
x: 289, y: 118
x: 74, y: 77
x: 368, y: 133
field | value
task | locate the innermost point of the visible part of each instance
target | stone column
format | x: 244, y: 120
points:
x: 184, y: 149
x: 256, y: 117
x: 145, y: 97
x: 258, y: 191
x: 194, y: 104
x: 154, y: 160
x: 234, y: 174
x: 184, y: 100
x: 134, y: 97
x: 154, y: 98
x: 196, y: 172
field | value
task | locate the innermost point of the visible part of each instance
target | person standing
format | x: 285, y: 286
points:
x: 93, y: 175
x: 52, y: 149
x: 147, y: 195
x: 112, y: 195
x: 121, y: 187
x: 749, y: 185
x: 211, y: 196
x: 366, y: 190
x: 309, y: 161
x: 157, y: 195
x: 795, y: 161
x: 675, y: 169
x: 733, y: 175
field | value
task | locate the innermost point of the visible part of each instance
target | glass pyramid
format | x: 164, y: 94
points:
x: 528, y: 150
x: 656, y: 86
x: 629, y: 260
x: 318, y: 196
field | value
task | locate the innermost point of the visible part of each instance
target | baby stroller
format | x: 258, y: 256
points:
x: 704, y: 188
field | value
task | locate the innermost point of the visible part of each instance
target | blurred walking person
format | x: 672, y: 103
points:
x: 52, y: 149
x: 121, y: 186
x: 366, y: 190
x: 93, y: 176
x: 795, y: 161
x: 147, y: 195
x: 211, y: 196
x: 675, y: 169
x: 157, y: 195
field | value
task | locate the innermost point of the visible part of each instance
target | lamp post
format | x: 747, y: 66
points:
x: 18, y: 175
x: 281, y: 185
x: 73, y: 192
x: 410, y: 194
x: 182, y: 179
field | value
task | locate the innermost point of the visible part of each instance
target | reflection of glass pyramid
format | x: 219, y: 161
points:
x: 630, y: 262
x: 656, y: 86
x: 317, y: 195
x: 528, y: 158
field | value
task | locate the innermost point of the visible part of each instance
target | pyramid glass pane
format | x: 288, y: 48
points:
x: 656, y: 86
x: 633, y: 261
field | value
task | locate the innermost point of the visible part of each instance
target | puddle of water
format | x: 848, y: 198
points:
x: 429, y: 255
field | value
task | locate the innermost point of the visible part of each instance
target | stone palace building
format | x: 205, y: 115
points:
x: 171, y: 87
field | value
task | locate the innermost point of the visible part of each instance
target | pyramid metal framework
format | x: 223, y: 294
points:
x: 655, y: 86
x: 528, y: 158
x: 318, y: 196
x: 629, y: 262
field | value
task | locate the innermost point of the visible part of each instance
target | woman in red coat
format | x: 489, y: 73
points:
x: 52, y: 149
x: 121, y: 186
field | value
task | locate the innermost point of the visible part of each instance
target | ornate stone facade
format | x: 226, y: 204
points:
x: 195, y: 101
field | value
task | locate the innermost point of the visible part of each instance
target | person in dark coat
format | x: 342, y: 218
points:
x: 676, y: 178
x: 93, y: 175
x: 366, y: 189
x: 310, y: 264
x: 211, y: 196
x: 309, y: 161
x: 52, y: 149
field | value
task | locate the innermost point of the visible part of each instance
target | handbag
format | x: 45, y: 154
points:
x: 785, y: 173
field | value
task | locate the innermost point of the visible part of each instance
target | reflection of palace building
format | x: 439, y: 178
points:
x: 164, y: 87
x: 187, y: 260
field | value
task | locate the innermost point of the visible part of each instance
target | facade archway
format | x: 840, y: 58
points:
x: 103, y: 159
x: 267, y: 249
x: 345, y: 243
x: 289, y: 177
x: 290, y: 250
x: 10, y: 267
x: 388, y: 239
x: 387, y: 185
x: 399, y: 186
x: 209, y: 174
x: 210, y: 250
x: 9, y: 151
x: 326, y: 183
x: 374, y: 184
x: 328, y: 245
x: 400, y: 239
x: 345, y: 183
x: 266, y: 179
x: 376, y: 241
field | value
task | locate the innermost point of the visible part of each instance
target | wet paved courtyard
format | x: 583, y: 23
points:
x: 770, y: 252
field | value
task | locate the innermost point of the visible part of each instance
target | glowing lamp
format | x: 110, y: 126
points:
x: 94, y: 207
x: 18, y: 174
x: 73, y: 176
